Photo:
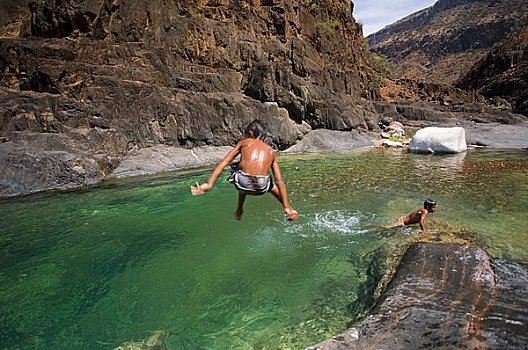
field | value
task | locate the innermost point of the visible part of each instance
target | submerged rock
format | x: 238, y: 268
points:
x: 155, y: 342
x: 446, y: 296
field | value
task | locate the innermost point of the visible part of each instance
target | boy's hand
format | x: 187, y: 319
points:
x: 200, y: 189
x: 291, y: 213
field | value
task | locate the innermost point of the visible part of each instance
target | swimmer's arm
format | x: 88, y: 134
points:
x: 424, y: 213
x: 202, y: 188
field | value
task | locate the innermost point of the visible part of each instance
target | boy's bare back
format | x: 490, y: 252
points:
x: 415, y: 217
x: 256, y: 156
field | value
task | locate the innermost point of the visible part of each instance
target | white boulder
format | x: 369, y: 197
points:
x: 439, y: 140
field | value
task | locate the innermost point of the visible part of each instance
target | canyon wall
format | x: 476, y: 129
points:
x: 82, y: 83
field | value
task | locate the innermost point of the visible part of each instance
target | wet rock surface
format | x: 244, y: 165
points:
x: 447, y: 296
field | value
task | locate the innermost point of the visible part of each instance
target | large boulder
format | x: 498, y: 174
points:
x: 322, y: 140
x: 446, y: 296
x: 439, y: 140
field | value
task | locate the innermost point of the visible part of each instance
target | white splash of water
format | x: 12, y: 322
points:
x: 338, y: 221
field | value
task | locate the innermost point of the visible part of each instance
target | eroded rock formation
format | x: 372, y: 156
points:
x: 502, y: 75
x: 446, y: 296
x: 84, y: 82
x: 457, y: 52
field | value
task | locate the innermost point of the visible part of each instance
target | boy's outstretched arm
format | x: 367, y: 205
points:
x: 290, y: 212
x: 205, y: 187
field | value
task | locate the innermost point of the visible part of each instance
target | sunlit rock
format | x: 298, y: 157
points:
x: 449, y: 296
x: 439, y: 140
x: 322, y: 140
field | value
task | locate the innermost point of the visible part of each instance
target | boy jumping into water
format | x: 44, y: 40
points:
x: 252, y: 175
x: 417, y: 216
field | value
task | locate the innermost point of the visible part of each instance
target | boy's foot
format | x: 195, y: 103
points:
x: 238, y: 214
x: 291, y: 213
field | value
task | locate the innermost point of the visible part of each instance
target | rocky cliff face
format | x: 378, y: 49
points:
x: 502, y: 75
x: 441, y: 43
x: 84, y: 82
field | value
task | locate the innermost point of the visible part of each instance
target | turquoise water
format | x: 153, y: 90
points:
x: 107, y: 265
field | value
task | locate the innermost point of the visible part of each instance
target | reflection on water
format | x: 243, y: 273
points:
x: 141, y: 257
x: 445, y: 167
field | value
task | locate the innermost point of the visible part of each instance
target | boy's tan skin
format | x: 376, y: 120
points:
x: 256, y: 158
x: 416, y: 217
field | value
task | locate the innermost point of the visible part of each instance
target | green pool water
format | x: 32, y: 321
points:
x: 99, y: 267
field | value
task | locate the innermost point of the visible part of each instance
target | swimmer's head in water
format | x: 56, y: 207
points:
x: 258, y: 130
x: 430, y: 205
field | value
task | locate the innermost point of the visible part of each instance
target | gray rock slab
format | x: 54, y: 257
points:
x: 495, y: 135
x: 162, y: 158
x: 25, y: 170
x: 489, y: 134
x: 445, y: 296
x: 323, y: 140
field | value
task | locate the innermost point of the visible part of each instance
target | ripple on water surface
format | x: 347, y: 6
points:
x: 96, y: 268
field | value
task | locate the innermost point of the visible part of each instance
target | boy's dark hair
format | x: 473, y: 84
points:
x: 428, y: 203
x: 258, y: 129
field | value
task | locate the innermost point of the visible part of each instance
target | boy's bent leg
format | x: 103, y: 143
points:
x: 398, y: 223
x: 239, y: 211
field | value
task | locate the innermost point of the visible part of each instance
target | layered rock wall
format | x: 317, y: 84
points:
x: 97, y: 79
x: 502, y: 75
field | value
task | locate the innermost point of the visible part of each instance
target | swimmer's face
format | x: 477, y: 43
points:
x: 432, y: 208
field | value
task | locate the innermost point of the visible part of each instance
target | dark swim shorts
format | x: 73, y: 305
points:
x: 251, y: 184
